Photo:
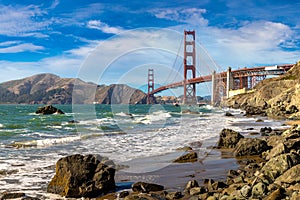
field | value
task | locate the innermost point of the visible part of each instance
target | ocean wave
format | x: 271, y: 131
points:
x: 44, y: 142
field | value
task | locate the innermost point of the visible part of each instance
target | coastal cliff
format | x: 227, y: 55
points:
x: 52, y: 89
x: 274, y: 97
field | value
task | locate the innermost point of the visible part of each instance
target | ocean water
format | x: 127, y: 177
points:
x: 145, y: 138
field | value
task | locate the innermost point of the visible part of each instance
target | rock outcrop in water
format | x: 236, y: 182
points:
x: 51, y: 89
x: 275, y: 97
x: 48, y: 110
x: 83, y: 176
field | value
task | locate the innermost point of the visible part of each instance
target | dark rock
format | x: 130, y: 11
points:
x: 250, y: 146
x: 123, y: 194
x: 48, y: 110
x: 189, y: 157
x: 229, y: 138
x: 278, y: 194
x: 228, y: 114
x: 83, y: 176
x: 293, y: 144
x: 143, y: 187
x: 8, y: 195
x: 265, y: 131
x: 259, y: 120
x: 73, y: 122
x: 292, y: 109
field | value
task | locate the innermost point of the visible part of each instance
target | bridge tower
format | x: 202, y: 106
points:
x: 150, y: 95
x: 189, y: 60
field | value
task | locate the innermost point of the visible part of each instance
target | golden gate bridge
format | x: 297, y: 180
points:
x: 223, y: 83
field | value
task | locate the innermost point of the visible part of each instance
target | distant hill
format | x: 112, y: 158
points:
x: 51, y: 89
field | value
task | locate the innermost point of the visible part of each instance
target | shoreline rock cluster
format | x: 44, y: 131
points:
x: 269, y: 169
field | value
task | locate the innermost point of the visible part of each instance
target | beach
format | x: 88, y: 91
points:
x: 146, y: 143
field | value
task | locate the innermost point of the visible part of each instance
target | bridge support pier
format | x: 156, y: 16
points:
x: 189, y: 60
x: 229, y: 82
x: 150, y: 95
x: 213, y: 88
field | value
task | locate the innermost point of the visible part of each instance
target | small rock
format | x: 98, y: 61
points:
x: 259, y: 120
x: 259, y: 190
x: 246, y: 191
x: 174, y: 195
x: 228, y: 114
x: 191, y: 184
x: 73, y: 122
x: 265, y: 131
x: 189, y: 157
x: 123, y: 194
x: 8, y: 195
x: 143, y: 187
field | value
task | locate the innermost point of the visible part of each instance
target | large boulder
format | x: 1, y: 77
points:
x: 276, y: 166
x: 48, y: 110
x: 83, y: 176
x: 250, y: 146
x: 229, y: 138
x: 291, y: 176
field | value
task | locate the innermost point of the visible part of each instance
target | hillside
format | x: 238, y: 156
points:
x: 275, y: 97
x: 51, y: 89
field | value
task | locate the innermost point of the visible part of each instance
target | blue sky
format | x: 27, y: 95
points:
x: 67, y: 37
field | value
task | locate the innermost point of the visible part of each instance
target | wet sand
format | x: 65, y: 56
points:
x: 175, y: 176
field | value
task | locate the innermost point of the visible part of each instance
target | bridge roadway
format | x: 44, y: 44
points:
x: 236, y: 74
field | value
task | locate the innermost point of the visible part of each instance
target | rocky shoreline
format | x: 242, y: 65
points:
x: 269, y: 169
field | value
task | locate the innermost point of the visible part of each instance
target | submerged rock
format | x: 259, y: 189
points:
x: 48, y: 110
x: 229, y: 138
x: 83, y: 176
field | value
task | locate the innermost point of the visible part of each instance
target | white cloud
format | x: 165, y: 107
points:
x: 20, y: 48
x: 186, y: 15
x: 255, y: 42
x: 22, y: 21
x: 105, y: 28
x: 54, y: 4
